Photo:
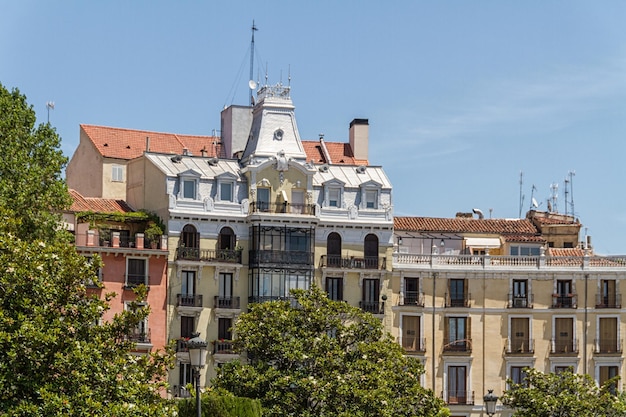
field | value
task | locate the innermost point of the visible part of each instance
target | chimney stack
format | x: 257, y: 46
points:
x: 359, y: 137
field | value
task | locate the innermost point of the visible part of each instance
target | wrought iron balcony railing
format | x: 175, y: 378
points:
x: 519, y: 346
x: 258, y: 257
x: 139, y: 336
x: 458, y: 300
x: 609, y: 301
x: 563, y: 346
x: 284, y: 208
x: 458, y: 397
x: 521, y: 300
x: 209, y: 255
x: 374, y: 307
x: 607, y: 345
x: 134, y: 280
x: 223, y: 347
x: 458, y: 345
x: 189, y: 300
x: 353, y: 262
x: 412, y: 298
x: 564, y: 300
x: 412, y: 344
x: 226, y: 302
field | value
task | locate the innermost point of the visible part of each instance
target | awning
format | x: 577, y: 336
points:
x: 482, y: 242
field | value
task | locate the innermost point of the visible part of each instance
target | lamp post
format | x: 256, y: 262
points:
x: 490, y: 400
x: 197, y: 357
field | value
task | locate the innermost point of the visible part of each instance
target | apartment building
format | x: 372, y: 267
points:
x: 106, y: 228
x: 478, y: 300
x: 261, y: 213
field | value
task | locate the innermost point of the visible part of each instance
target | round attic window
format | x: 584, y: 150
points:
x: 278, y: 134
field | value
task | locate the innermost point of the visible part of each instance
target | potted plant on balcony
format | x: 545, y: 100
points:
x: 152, y: 233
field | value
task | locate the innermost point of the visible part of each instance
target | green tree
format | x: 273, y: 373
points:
x: 563, y: 394
x: 55, y: 358
x: 219, y: 403
x: 31, y: 185
x: 313, y: 356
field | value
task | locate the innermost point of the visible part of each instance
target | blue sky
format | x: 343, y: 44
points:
x: 461, y: 96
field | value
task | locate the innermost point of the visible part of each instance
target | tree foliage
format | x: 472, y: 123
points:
x: 219, y: 403
x: 31, y: 185
x: 56, y: 359
x: 313, y: 356
x: 563, y: 394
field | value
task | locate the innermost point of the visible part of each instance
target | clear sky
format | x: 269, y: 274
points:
x: 461, y: 96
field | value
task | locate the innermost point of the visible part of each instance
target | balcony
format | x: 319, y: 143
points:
x: 412, y: 298
x: 226, y: 302
x: 139, y: 336
x: 231, y: 256
x: 412, y: 344
x: 459, y: 345
x: 429, y: 262
x: 458, y: 300
x: 564, y: 301
x: 520, y: 346
x: 457, y: 397
x: 134, y: 280
x: 563, y: 346
x: 353, y: 262
x: 180, y: 391
x: 607, y: 346
x: 282, y: 208
x: 223, y: 347
x: 181, y: 345
x: 521, y: 301
x: 189, y: 300
x: 280, y: 257
x: 609, y: 301
x: 374, y: 307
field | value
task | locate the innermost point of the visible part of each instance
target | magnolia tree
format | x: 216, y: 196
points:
x: 58, y: 358
x: 563, y: 394
x: 313, y: 356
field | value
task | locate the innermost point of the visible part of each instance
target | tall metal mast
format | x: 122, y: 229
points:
x: 252, y: 84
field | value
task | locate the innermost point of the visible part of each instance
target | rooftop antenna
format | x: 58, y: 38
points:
x: 521, y: 196
x: 289, y: 76
x: 555, y: 196
x: 533, y: 201
x: 49, y: 105
x: 571, y: 174
x: 251, y: 83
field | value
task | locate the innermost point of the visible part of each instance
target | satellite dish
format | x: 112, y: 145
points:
x: 535, y: 204
x: 252, y: 84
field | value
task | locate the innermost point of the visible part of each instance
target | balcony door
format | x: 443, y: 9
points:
x: 333, y: 249
x: 520, y: 342
x: 370, y: 249
x: 563, y: 335
x: 457, y: 384
x: 608, y: 334
x: 608, y: 293
x: 411, y: 333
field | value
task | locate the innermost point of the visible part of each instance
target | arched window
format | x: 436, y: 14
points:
x: 333, y: 249
x: 227, y: 239
x: 189, y: 238
x: 370, y: 250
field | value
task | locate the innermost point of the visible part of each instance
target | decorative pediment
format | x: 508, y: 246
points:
x: 190, y: 173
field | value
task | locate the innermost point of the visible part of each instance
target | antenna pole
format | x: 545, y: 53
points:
x: 566, y: 194
x: 521, y: 197
x: 571, y: 188
x: 254, y: 29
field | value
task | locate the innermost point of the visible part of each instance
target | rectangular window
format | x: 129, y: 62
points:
x: 117, y: 173
x: 561, y: 369
x: 185, y: 377
x: 187, y: 326
x: 223, y: 328
x: 226, y: 284
x: 189, y: 189
x: 457, y: 334
x: 136, y: 272
x: 141, y: 333
x: 188, y: 284
x: 520, y: 339
x: 608, y: 342
x: 297, y: 202
x: 411, y: 333
x: 457, y: 293
x: 334, y: 288
x: 564, y: 335
x: 524, y: 251
x: 606, y: 373
x: 263, y: 199
x: 333, y: 197
x: 371, y: 199
x: 226, y: 191
x: 411, y: 291
x: 518, y: 375
x: 457, y: 385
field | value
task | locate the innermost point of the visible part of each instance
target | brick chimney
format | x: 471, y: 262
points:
x: 359, y: 137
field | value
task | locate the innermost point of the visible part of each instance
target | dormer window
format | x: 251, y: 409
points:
x: 334, y: 197
x: 226, y: 191
x: 370, y: 195
x: 333, y: 194
x: 189, y: 189
x: 188, y: 185
x: 371, y: 199
x: 226, y: 187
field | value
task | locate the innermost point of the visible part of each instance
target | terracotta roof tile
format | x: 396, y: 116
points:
x: 525, y: 238
x: 97, y: 205
x: 517, y: 227
x: 114, y: 142
x: 340, y: 153
x: 577, y: 252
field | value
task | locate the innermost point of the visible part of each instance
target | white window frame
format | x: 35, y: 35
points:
x: 609, y: 316
x: 530, y: 326
x: 184, y: 181
x: 600, y: 361
x: 369, y: 189
x: 419, y: 336
x: 117, y: 173
x: 371, y: 199
x: 334, y: 197
x: 520, y: 362
x: 457, y: 361
x: 144, y: 322
x: 220, y: 186
x: 147, y: 273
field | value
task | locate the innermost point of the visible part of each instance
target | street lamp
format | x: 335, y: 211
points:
x: 490, y: 401
x: 197, y: 357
